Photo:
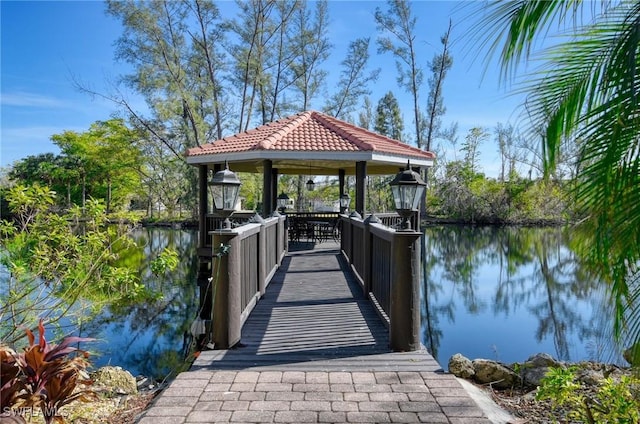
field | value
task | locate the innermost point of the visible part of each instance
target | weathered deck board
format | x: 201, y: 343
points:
x: 314, y: 316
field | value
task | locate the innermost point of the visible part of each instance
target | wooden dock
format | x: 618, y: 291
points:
x: 314, y: 350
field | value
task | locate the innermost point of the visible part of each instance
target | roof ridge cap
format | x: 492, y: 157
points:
x: 328, y: 122
x: 294, y: 122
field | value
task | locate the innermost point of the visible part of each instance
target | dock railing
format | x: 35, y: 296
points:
x: 386, y: 263
x: 245, y: 259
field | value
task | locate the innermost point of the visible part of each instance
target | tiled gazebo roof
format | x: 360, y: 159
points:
x: 310, y: 143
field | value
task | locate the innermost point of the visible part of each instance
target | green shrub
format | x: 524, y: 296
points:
x: 613, y: 401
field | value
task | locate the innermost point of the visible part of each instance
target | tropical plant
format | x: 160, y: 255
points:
x: 47, y: 376
x: 612, y: 402
x: 587, y: 90
x: 59, y: 265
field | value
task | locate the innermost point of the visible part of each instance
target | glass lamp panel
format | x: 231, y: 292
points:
x: 417, y: 196
x: 344, y: 201
x: 218, y: 197
x: 406, y: 195
x: 397, y: 199
x: 230, y: 195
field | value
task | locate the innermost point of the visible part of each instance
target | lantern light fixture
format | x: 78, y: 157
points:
x: 345, y: 200
x: 310, y: 184
x: 282, y: 201
x: 407, y: 188
x: 225, y: 187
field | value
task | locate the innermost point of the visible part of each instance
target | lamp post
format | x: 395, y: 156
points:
x: 282, y: 201
x: 225, y: 187
x: 407, y: 188
x: 345, y: 200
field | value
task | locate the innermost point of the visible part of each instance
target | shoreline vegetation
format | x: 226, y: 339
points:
x: 545, y: 390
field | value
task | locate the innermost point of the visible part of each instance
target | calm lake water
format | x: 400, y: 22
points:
x: 148, y: 338
x: 496, y: 293
x: 507, y: 293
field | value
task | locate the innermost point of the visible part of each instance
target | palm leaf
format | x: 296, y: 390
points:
x: 586, y: 89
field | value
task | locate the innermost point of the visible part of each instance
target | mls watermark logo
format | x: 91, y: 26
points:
x: 28, y: 413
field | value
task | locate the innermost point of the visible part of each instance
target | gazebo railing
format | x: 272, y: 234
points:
x: 254, y: 253
x: 386, y: 264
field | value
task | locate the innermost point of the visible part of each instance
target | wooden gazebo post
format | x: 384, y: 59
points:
x: 361, y: 181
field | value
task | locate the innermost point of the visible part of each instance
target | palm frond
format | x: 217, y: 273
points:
x: 587, y: 89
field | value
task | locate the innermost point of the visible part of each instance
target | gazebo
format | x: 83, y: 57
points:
x: 308, y: 143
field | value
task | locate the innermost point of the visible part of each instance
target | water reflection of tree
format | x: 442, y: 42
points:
x: 432, y: 289
x: 535, y: 270
x: 155, y: 327
x: 451, y: 250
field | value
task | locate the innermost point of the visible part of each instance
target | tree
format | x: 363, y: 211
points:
x: 107, y: 158
x: 311, y: 47
x: 172, y: 47
x: 399, y: 22
x: 438, y: 66
x: 33, y: 168
x: 473, y: 139
x: 279, y: 76
x: 388, y: 122
x: 587, y: 89
x: 365, y: 116
x: 255, y: 31
x: 354, y: 83
x: 117, y: 158
x: 53, y: 266
x: 388, y: 117
x: 206, y: 54
x: 506, y: 139
x: 164, y: 185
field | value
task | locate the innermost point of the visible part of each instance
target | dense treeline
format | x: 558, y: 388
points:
x: 204, y: 75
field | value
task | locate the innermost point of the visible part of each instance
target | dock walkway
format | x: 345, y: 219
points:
x: 314, y: 351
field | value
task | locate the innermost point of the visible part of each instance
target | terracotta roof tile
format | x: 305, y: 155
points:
x: 309, y: 131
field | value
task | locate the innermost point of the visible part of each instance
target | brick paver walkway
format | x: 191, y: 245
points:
x: 314, y: 397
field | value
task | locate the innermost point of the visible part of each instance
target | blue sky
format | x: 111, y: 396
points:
x: 48, y: 44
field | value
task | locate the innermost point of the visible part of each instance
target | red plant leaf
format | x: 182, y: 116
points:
x: 31, y: 337
x: 63, y: 349
x: 43, y: 342
x: 34, y: 359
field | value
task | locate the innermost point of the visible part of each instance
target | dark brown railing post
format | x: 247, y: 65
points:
x: 262, y: 258
x: 354, y: 247
x: 404, y: 313
x: 227, y: 310
x: 366, y: 247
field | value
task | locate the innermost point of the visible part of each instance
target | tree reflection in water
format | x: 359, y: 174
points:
x: 506, y: 293
x: 148, y: 338
x: 502, y: 293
